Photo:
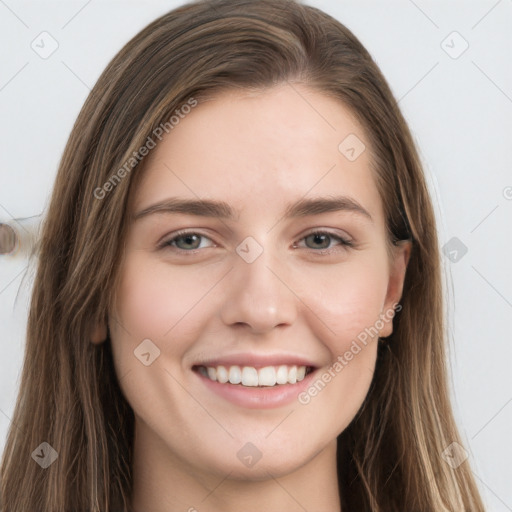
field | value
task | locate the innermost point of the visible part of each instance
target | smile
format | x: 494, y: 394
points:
x: 250, y: 376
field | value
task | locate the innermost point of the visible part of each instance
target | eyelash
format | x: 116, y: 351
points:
x: 344, y: 243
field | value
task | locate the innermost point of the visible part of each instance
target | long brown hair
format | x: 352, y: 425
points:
x: 390, y: 456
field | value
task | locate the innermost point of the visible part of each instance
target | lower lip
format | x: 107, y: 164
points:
x: 258, y: 397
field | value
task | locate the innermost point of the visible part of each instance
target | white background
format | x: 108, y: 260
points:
x: 460, y: 113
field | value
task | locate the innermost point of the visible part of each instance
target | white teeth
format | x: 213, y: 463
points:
x: 249, y: 376
x: 222, y: 374
x: 267, y: 376
x: 292, y: 375
x: 235, y: 375
x: 252, y: 377
x: 282, y: 375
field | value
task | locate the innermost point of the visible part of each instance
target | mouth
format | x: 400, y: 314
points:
x: 252, y: 377
x: 256, y: 381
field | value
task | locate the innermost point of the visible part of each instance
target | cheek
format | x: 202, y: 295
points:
x: 345, y: 311
x: 167, y: 307
x: 155, y: 302
x: 348, y: 298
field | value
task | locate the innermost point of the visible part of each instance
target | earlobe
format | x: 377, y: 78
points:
x: 99, y: 333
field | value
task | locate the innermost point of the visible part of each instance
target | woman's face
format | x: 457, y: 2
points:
x: 225, y: 279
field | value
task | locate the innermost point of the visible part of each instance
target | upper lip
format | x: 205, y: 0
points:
x: 256, y: 360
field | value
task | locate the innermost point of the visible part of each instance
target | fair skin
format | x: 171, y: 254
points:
x: 303, y: 301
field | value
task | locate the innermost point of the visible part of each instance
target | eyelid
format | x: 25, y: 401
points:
x: 166, y: 242
x: 344, y: 242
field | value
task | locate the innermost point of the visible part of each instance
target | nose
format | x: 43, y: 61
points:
x: 259, y: 298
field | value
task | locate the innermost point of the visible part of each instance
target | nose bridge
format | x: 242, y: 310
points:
x: 256, y: 295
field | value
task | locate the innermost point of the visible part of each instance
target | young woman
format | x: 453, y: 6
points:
x: 238, y: 303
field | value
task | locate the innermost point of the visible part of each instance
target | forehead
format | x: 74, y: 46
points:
x: 262, y: 148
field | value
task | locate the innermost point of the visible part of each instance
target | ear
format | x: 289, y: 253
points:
x: 398, y: 267
x: 99, y: 333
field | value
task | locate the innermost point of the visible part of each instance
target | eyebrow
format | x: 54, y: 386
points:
x: 221, y: 209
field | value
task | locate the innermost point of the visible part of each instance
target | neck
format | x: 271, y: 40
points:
x: 163, y: 483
